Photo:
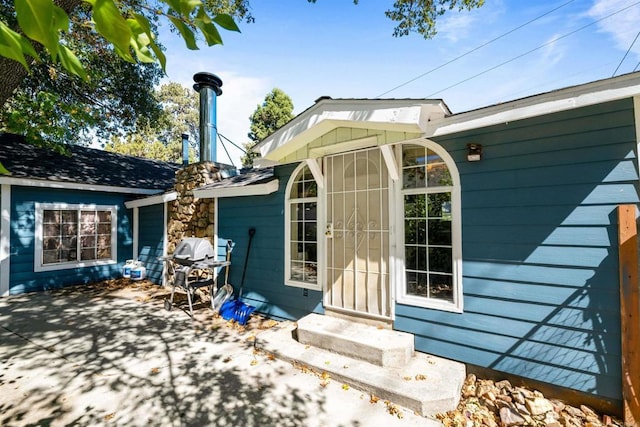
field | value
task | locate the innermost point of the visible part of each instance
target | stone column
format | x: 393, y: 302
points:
x: 189, y: 216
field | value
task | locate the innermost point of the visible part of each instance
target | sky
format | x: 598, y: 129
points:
x: 505, y: 50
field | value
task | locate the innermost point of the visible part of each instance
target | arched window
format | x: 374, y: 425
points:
x: 431, y: 228
x: 301, y: 225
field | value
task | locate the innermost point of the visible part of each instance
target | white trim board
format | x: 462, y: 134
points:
x: 152, y: 200
x: 136, y: 232
x: 598, y: 92
x: 5, y: 239
x: 29, y: 182
x: 249, y: 190
x: 401, y: 115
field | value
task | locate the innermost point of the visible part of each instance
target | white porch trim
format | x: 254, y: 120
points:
x: 398, y: 115
x: 390, y: 160
x: 316, y: 171
x: 152, y: 200
x: 354, y: 144
x: 5, y: 238
x: 136, y: 232
x: 28, y: 182
x: 248, y: 190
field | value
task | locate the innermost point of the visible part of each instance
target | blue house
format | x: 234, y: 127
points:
x: 490, y: 235
x: 64, y: 219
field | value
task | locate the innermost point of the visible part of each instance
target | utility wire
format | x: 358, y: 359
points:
x: 226, y: 151
x: 542, y: 85
x: 532, y: 50
x: 625, y: 55
x: 233, y: 143
x: 475, y: 49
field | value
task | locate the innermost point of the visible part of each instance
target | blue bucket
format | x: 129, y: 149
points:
x: 236, y: 310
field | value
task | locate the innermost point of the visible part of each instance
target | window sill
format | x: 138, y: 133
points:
x: 430, y: 304
x: 303, y: 285
x: 69, y: 265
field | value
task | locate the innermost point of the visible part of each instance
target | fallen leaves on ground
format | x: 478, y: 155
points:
x: 155, y: 371
x: 393, y: 409
x: 267, y: 324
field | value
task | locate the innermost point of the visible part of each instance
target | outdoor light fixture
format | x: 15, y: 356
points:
x: 474, y: 152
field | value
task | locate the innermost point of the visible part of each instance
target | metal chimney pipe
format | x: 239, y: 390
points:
x: 185, y: 149
x: 208, y: 86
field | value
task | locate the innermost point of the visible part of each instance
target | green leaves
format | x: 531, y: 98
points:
x: 71, y: 62
x: 185, y: 31
x: 15, y: 46
x: 130, y: 34
x: 41, y: 20
x: 112, y: 26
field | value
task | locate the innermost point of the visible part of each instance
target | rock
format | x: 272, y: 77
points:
x: 574, y: 412
x: 551, y: 419
x: 568, y: 421
x: 469, y: 386
x: 509, y: 417
x: 484, y: 387
x: 558, y: 406
x: 588, y: 412
x: 518, y: 397
x: 503, y: 385
x: 522, y: 409
x: 538, y: 406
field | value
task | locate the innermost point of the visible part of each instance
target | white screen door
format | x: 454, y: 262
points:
x: 358, y: 238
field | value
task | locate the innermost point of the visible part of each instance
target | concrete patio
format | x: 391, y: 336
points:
x: 78, y: 357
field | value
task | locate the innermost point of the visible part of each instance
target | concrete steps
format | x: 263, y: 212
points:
x: 382, y: 347
x: 379, y: 362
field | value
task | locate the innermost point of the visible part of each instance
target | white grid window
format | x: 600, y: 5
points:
x: 431, y: 229
x: 69, y: 236
x: 302, y: 230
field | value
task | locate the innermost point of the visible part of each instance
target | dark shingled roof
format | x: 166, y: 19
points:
x: 84, y: 165
x: 252, y: 177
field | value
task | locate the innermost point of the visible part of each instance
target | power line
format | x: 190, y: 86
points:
x: 625, y: 55
x: 226, y: 151
x: 474, y: 49
x: 542, y: 85
x: 233, y: 143
x: 532, y: 50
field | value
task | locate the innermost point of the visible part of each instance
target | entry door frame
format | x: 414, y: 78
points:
x: 392, y: 261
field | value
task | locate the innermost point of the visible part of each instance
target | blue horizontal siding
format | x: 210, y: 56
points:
x: 264, y: 286
x: 540, y: 275
x: 517, y: 234
x: 151, y: 240
x: 22, y: 275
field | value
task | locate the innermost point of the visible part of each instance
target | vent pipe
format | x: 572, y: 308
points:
x: 185, y: 149
x: 208, y: 86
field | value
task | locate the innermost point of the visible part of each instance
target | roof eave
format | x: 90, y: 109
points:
x: 597, y: 92
x: 261, y: 189
x: 393, y: 115
x: 31, y: 182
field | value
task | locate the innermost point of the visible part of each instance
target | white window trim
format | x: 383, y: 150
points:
x: 456, y: 233
x: 287, y: 234
x: 37, y: 259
